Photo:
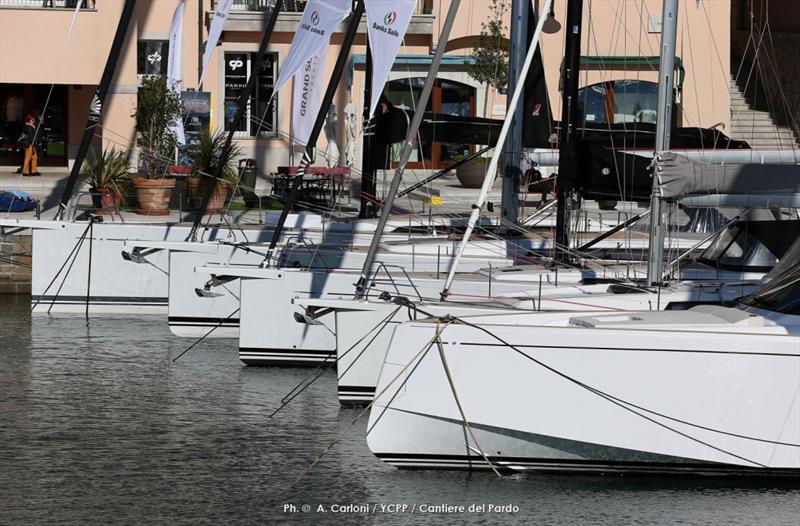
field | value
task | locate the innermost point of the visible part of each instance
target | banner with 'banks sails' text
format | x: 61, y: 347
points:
x: 387, y: 23
x: 214, y: 32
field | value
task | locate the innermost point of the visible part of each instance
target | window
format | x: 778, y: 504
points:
x: 448, y: 97
x: 737, y: 248
x: 782, y: 294
x: 17, y: 100
x: 260, y: 117
x: 152, y: 57
x: 619, y: 101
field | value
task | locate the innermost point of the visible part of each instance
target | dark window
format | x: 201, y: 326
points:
x: 260, y: 116
x: 782, y: 294
x: 152, y: 57
x: 16, y: 101
x: 737, y: 248
x: 619, y: 101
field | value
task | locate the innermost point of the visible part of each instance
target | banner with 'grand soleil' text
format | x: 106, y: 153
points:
x: 309, y: 83
x: 175, y: 65
x: 318, y: 23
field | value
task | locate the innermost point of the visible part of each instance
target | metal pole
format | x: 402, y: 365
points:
x: 444, y: 171
x: 368, y: 190
x: 362, y: 286
x: 327, y: 99
x: 96, y: 107
x: 491, y: 172
x: 513, y: 146
x: 569, y: 123
x: 612, y: 231
x: 241, y: 106
x: 669, y: 30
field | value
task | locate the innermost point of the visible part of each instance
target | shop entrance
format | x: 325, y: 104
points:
x: 18, y: 100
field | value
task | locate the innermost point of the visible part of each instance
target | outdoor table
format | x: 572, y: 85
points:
x: 318, y: 182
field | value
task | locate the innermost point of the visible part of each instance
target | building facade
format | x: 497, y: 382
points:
x: 44, y: 73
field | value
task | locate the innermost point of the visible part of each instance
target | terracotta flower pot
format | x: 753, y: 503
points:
x: 153, y: 195
x: 197, y: 189
x: 104, y: 200
x: 471, y: 175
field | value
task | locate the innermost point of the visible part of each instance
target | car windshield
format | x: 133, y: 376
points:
x: 782, y: 294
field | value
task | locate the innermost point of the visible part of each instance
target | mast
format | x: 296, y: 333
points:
x: 408, y: 147
x: 96, y: 107
x: 308, y: 154
x: 241, y: 105
x: 669, y: 30
x: 513, y: 146
x: 491, y: 173
x: 367, y: 208
x: 569, y: 124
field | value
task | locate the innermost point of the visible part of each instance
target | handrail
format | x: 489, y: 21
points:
x: 297, y: 6
x: 385, y: 267
x: 86, y: 5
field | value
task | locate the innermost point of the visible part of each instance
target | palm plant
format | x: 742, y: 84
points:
x: 209, y: 152
x: 103, y: 174
x: 207, y: 155
x: 105, y: 170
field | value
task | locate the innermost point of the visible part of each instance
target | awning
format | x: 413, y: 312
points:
x: 408, y: 60
x: 622, y: 61
x: 607, y: 61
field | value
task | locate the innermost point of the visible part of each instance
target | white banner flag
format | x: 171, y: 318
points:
x: 174, y: 65
x: 309, y: 84
x: 223, y: 7
x: 78, y: 7
x: 387, y: 23
x: 318, y: 23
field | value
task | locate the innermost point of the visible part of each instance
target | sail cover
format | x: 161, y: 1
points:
x: 607, y: 164
x: 679, y: 176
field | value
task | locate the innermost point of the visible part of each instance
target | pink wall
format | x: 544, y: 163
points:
x: 617, y: 28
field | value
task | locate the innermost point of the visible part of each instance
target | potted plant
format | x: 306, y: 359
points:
x: 472, y: 173
x: 206, y: 155
x: 157, y: 109
x: 103, y: 174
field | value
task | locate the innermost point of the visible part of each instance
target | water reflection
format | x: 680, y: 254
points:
x: 99, y: 425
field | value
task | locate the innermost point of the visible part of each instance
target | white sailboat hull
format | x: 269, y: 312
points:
x: 364, y: 329
x: 656, y: 400
x: 270, y: 300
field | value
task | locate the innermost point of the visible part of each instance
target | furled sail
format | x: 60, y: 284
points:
x: 754, y: 184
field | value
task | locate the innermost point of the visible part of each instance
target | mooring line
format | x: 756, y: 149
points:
x: 89, y: 272
x: 217, y: 326
x: 325, y: 365
x: 74, y: 248
x: 358, y: 417
x: 460, y: 407
x: 628, y: 406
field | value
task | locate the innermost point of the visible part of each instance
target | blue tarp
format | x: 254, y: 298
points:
x: 16, y: 201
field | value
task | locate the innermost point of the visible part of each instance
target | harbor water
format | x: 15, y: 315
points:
x: 99, y: 425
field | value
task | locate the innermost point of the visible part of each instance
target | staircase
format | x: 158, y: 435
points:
x: 752, y: 120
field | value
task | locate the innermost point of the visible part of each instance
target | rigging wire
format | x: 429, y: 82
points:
x: 420, y: 354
